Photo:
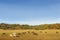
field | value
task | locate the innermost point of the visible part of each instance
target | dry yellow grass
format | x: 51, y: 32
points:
x: 29, y: 35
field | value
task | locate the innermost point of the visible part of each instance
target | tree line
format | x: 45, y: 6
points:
x: 26, y: 26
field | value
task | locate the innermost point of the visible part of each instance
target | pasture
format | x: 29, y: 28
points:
x: 30, y: 34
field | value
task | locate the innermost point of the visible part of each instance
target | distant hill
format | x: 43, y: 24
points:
x: 36, y: 27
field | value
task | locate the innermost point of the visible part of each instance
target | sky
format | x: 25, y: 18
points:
x: 32, y: 12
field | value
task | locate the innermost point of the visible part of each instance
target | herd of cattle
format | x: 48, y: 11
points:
x: 14, y: 34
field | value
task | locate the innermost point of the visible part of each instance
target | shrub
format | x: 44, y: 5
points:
x: 3, y: 33
x: 40, y: 31
x: 18, y: 33
x: 34, y: 33
x: 23, y: 32
x: 17, y: 36
x: 45, y: 32
x: 28, y: 31
x: 57, y: 32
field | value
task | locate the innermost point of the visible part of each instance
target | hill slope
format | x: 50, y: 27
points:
x: 37, y: 27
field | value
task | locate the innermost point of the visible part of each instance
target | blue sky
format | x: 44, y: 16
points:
x: 30, y: 11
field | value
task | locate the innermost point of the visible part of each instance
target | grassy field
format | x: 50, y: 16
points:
x: 30, y: 34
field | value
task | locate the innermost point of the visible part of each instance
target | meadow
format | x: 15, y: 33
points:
x: 30, y: 34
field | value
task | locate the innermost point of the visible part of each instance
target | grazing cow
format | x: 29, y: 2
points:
x: 13, y: 35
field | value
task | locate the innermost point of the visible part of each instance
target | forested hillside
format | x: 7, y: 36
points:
x: 36, y: 27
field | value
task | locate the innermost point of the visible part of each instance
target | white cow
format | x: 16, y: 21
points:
x: 13, y: 35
